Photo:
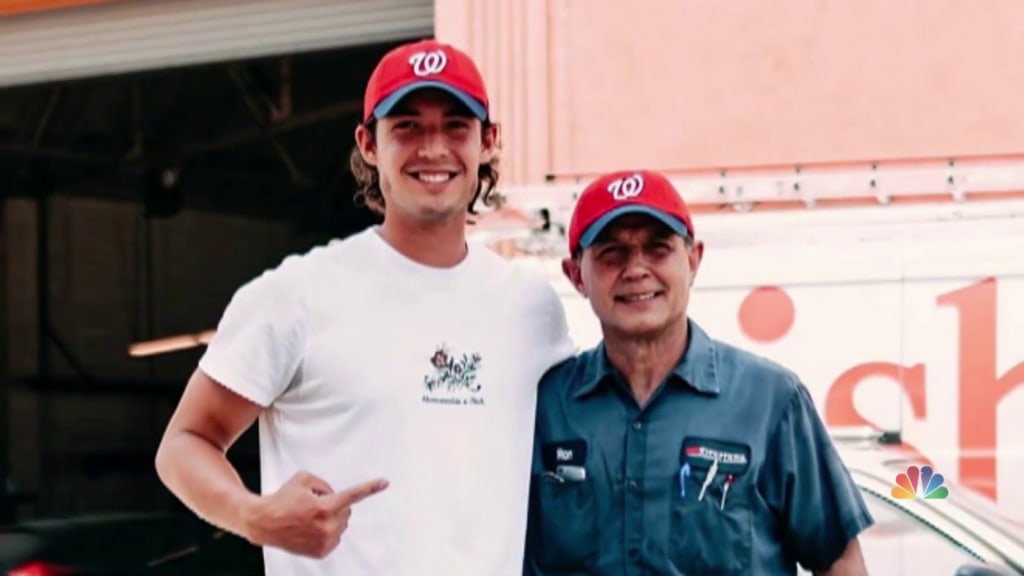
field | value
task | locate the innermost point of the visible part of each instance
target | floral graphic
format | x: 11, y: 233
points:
x: 451, y: 373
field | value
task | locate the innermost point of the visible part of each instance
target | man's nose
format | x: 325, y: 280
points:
x: 636, y: 266
x: 433, y: 144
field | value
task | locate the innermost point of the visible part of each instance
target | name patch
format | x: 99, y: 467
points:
x: 571, y: 452
x: 732, y: 457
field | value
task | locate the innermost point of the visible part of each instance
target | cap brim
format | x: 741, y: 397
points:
x: 674, y: 224
x: 387, y: 104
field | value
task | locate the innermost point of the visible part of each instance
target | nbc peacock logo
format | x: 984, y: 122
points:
x: 919, y: 483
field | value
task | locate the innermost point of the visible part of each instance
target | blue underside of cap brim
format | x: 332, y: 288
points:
x: 594, y: 229
x: 387, y: 104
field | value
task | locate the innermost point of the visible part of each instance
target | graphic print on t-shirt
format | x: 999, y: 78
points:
x: 454, y: 379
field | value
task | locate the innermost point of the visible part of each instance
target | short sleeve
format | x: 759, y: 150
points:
x: 260, y: 338
x: 806, y: 483
x: 560, y: 345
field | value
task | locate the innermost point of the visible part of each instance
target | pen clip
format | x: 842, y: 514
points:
x: 725, y: 490
x: 549, y: 475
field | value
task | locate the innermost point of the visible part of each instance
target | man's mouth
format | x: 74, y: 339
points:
x: 433, y: 177
x: 638, y: 297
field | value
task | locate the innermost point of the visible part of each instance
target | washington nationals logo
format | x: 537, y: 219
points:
x: 625, y: 188
x: 428, y: 63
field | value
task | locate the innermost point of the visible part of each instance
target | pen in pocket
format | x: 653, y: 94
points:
x: 725, y: 490
x: 684, y: 473
x: 708, y: 480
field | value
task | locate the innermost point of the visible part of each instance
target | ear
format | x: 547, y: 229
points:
x: 571, y: 269
x: 367, y: 144
x: 491, y: 142
x: 695, y: 255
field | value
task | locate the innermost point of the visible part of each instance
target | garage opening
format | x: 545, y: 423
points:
x: 133, y: 206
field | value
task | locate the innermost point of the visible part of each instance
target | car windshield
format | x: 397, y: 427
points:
x: 979, y: 506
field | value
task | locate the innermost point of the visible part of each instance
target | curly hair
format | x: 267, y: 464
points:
x: 368, y: 181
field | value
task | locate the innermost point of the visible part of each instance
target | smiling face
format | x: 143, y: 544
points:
x: 637, y: 275
x: 428, y: 152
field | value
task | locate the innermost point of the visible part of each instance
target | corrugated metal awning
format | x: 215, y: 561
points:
x: 137, y: 35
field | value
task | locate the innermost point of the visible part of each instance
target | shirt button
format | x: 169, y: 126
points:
x: 631, y: 485
x: 638, y: 425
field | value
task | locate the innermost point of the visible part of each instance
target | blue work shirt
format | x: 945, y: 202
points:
x: 778, y: 494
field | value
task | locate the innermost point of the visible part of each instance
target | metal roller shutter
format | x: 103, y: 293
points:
x: 135, y: 35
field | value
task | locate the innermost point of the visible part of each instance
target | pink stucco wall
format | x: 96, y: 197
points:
x: 583, y: 86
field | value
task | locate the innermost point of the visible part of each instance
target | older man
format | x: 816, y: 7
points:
x: 662, y: 450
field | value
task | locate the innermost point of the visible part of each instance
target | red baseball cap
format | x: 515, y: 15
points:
x: 627, y: 192
x: 424, y: 64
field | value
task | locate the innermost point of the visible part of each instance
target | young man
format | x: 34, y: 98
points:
x: 398, y: 358
x: 662, y: 450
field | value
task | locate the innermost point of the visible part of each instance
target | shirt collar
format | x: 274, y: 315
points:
x: 697, y: 369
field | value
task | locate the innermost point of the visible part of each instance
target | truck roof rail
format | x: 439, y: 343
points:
x: 958, y: 179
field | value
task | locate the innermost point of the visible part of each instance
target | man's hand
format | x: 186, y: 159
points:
x: 305, y: 516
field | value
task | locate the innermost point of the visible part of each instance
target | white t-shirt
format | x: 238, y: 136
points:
x: 372, y: 365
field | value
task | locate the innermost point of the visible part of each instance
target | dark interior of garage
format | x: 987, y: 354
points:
x: 133, y: 207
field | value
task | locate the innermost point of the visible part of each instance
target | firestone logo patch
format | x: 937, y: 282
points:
x: 719, y: 455
x: 454, y: 378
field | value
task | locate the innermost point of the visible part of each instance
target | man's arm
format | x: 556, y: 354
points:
x: 820, y: 509
x: 304, y: 516
x: 851, y: 563
x: 192, y: 458
x: 247, y: 365
x: 258, y: 348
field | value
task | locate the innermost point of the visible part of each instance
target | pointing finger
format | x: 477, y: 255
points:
x: 358, y: 493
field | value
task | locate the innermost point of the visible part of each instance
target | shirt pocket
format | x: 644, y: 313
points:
x: 565, y: 526
x: 711, y: 535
